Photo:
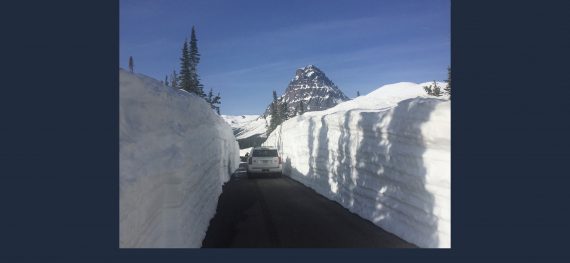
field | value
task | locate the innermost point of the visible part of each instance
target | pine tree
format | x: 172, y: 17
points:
x: 447, y: 88
x: 428, y: 90
x: 194, y: 60
x: 216, y: 101
x: 357, y: 93
x: 433, y: 90
x: 185, y: 79
x: 274, y: 115
x: 166, y: 80
x: 284, y: 112
x: 174, y: 79
x: 209, y: 98
x: 131, y: 64
x: 301, y: 108
x: 436, y: 90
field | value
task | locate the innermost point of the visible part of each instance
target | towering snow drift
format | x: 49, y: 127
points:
x: 384, y: 156
x: 175, y: 154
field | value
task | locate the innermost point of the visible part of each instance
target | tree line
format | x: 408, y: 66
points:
x: 279, y: 111
x: 187, y: 77
x: 435, y: 90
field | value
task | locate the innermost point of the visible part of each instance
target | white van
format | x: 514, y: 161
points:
x: 264, y: 161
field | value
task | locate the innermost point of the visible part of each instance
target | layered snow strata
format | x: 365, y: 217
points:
x: 175, y: 153
x: 384, y: 156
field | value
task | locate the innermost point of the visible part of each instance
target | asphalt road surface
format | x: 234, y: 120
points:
x: 280, y: 212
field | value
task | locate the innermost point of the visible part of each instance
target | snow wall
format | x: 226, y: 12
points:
x: 175, y: 154
x: 384, y: 156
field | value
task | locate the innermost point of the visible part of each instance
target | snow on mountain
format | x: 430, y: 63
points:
x: 239, y: 121
x: 249, y: 130
x: 245, y: 126
x: 311, y: 86
x: 175, y: 153
x: 384, y: 156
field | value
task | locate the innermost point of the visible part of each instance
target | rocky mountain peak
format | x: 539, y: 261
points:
x: 311, y: 86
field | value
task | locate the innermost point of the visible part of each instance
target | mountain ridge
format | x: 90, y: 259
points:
x: 311, y: 86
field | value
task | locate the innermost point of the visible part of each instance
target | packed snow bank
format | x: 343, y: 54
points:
x: 175, y: 154
x: 384, y: 156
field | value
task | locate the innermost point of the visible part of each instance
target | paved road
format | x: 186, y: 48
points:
x: 280, y: 212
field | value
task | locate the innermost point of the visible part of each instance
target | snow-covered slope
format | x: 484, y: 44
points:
x: 245, y: 126
x: 385, y: 156
x: 239, y: 120
x: 175, y: 154
x: 250, y: 130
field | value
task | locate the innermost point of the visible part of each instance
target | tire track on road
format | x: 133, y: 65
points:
x: 269, y: 224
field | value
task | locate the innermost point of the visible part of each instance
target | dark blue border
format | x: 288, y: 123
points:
x: 59, y: 138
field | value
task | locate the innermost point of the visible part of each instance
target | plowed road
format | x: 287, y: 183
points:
x: 280, y: 212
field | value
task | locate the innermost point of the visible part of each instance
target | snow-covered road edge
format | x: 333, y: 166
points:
x: 385, y: 156
x: 175, y: 155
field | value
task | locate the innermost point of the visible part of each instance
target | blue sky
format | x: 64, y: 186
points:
x: 250, y: 48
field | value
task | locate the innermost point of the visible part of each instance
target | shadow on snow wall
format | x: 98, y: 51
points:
x: 386, y: 180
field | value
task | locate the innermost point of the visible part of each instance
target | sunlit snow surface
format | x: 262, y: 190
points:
x: 246, y: 126
x: 385, y: 156
x: 175, y: 153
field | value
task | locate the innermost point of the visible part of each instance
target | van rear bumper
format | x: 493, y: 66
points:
x: 260, y: 170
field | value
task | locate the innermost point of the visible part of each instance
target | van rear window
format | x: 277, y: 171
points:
x: 264, y: 153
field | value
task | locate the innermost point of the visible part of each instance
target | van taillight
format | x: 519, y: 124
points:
x: 279, y: 159
x: 250, y: 160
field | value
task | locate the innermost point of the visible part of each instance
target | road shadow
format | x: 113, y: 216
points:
x: 310, y: 143
x: 344, y: 163
x: 322, y: 164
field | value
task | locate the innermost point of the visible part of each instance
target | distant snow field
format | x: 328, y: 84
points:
x: 246, y: 126
x: 175, y: 153
x: 384, y: 156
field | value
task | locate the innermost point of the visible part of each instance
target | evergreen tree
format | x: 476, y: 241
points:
x: 284, y: 112
x: 166, y: 80
x: 357, y: 93
x: 185, y: 79
x: 428, y: 90
x: 194, y: 60
x: 275, y: 120
x: 174, y: 79
x: 209, y: 98
x: 216, y: 101
x: 433, y: 90
x: 447, y: 88
x: 131, y: 64
x: 301, y: 108
x: 436, y: 90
